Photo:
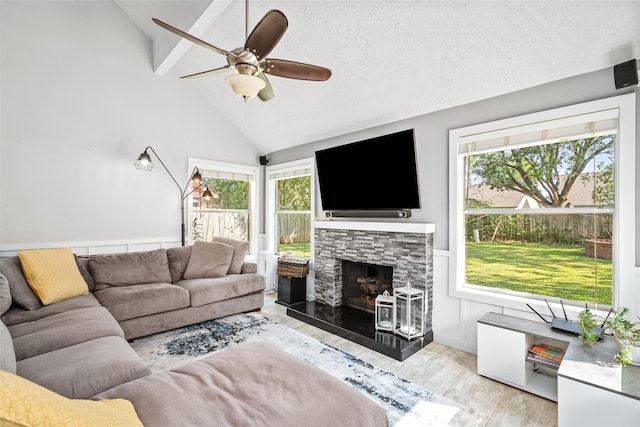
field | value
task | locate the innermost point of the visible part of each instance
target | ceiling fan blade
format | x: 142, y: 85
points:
x: 266, y: 94
x: 267, y: 33
x: 296, y: 70
x: 207, y: 73
x: 191, y: 38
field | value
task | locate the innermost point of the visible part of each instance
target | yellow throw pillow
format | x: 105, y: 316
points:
x: 23, y: 403
x: 52, y: 274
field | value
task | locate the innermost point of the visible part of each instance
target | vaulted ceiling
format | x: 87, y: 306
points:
x: 391, y: 60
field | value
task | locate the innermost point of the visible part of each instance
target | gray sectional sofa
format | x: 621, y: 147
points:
x: 78, y: 347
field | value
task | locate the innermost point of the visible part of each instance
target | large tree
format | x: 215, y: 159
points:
x: 294, y: 194
x: 231, y: 194
x: 546, y: 173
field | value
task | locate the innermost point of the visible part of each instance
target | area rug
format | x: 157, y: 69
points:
x: 405, y: 403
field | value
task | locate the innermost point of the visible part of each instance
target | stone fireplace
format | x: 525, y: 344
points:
x: 354, y: 262
x: 406, y: 249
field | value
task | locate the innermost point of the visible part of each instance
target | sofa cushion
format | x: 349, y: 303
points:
x: 52, y: 274
x: 83, y: 370
x: 178, y: 260
x: 21, y: 292
x: 206, y: 291
x: 249, y: 267
x: 7, y: 353
x: 232, y: 387
x: 128, y: 302
x: 240, y: 251
x: 83, y: 266
x: 63, y: 330
x: 5, y: 295
x: 25, y: 403
x: 209, y: 260
x: 18, y: 314
x: 130, y: 268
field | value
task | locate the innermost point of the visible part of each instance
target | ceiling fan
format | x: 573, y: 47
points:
x: 250, y: 62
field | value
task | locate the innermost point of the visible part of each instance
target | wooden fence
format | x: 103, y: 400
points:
x: 217, y: 222
x: 561, y: 229
x: 294, y: 227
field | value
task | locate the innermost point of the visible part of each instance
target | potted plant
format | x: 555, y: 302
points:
x: 625, y: 332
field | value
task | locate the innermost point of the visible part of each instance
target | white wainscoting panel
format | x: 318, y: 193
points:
x: 95, y: 248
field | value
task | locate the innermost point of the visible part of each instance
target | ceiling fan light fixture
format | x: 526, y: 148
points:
x: 245, y: 85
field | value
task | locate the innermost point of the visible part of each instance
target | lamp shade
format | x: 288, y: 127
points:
x: 245, y: 85
x: 144, y: 162
x: 207, y: 195
x: 196, y: 178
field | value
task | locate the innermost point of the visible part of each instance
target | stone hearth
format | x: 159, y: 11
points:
x: 406, y: 247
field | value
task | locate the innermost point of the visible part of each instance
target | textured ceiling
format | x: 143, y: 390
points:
x: 393, y: 60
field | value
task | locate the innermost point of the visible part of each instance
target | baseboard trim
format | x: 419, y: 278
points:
x: 455, y: 343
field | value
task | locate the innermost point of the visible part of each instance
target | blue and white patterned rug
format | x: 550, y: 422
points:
x: 406, y: 404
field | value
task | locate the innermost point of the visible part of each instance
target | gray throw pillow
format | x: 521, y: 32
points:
x: 83, y: 267
x: 5, y: 295
x: 209, y: 260
x: 178, y: 260
x: 7, y: 352
x: 21, y: 292
x: 131, y: 268
x: 240, y: 246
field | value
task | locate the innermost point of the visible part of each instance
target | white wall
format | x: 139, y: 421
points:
x: 454, y: 319
x: 80, y: 102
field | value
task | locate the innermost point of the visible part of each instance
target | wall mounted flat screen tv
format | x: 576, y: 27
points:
x: 374, y: 174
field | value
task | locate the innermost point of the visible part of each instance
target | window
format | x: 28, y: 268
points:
x: 231, y: 211
x: 289, y: 202
x: 538, y: 204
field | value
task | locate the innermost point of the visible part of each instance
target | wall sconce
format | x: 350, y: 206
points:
x: 144, y: 163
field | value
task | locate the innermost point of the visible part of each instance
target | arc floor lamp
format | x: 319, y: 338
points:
x: 144, y: 163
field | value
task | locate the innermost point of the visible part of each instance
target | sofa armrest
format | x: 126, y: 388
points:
x: 249, y: 267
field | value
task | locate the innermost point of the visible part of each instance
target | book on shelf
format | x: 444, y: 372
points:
x: 545, y: 353
x: 537, y: 360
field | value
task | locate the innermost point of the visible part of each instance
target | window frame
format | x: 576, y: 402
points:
x: 624, y: 214
x: 272, y: 192
x: 254, y: 186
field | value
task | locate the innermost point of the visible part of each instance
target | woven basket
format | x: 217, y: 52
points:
x: 290, y: 269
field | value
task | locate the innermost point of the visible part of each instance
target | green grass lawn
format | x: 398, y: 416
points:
x: 555, y: 271
x: 298, y: 249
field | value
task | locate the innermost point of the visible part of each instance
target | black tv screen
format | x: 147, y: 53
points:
x: 374, y: 174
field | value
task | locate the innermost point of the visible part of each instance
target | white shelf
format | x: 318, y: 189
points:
x: 582, y: 383
x: 502, y: 356
x: 397, y: 227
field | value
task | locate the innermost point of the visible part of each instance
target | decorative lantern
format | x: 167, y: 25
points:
x: 408, y: 315
x: 384, y: 312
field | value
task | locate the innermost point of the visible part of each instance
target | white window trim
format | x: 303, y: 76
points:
x: 254, y: 188
x: 624, y: 218
x: 270, y: 197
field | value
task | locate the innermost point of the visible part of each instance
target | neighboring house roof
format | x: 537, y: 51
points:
x: 581, y: 195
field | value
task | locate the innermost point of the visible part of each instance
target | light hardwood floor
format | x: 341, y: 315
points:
x: 446, y: 371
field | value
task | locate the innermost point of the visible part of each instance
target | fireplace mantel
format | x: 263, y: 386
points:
x: 392, y: 227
